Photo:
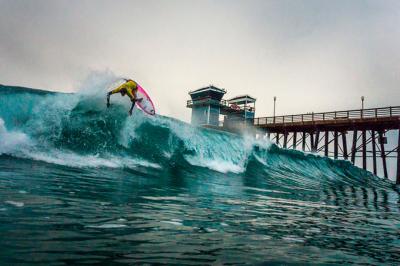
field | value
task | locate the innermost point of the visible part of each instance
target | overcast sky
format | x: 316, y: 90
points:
x: 313, y: 55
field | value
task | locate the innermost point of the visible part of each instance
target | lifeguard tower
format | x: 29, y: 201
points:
x: 239, y: 111
x: 208, y: 106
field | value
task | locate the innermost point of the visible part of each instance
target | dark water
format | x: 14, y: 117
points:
x: 83, y: 185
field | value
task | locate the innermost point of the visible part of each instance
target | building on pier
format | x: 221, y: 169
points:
x: 239, y: 112
x: 209, y: 109
x: 206, y: 105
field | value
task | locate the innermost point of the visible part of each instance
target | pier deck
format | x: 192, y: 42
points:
x: 320, y: 132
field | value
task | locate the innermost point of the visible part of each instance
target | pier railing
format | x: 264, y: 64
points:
x: 330, y: 116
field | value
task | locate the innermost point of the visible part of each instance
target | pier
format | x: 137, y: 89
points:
x: 353, y: 135
x: 329, y: 133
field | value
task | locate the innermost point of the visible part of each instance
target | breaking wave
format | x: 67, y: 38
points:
x: 77, y: 130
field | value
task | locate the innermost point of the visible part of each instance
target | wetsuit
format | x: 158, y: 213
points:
x: 129, y: 88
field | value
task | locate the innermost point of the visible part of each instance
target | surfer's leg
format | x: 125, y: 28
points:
x: 133, y: 105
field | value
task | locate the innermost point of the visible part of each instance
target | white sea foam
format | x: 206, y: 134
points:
x: 172, y: 222
x: 15, y: 203
x: 12, y: 141
x: 216, y: 165
x: 97, y: 83
x: 75, y: 160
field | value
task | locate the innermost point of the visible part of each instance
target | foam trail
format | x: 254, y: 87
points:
x: 10, y: 142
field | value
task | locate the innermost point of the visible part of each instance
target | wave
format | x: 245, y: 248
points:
x: 77, y: 130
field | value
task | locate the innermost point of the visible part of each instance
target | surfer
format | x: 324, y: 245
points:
x: 128, y: 88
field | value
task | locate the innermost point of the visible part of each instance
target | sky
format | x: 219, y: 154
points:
x: 312, y: 55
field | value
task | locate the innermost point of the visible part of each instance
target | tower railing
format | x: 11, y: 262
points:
x: 221, y: 103
x: 206, y: 100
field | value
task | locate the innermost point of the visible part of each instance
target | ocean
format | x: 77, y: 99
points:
x: 83, y: 184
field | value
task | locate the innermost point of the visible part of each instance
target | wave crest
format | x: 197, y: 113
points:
x: 77, y: 130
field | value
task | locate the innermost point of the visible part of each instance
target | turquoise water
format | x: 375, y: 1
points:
x: 81, y: 184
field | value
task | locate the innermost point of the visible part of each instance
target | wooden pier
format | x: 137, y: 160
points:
x: 366, y: 129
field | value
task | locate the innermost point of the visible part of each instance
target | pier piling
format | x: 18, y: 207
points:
x: 374, y: 152
x: 364, y: 149
x: 345, y: 155
x: 398, y: 159
x: 335, y: 145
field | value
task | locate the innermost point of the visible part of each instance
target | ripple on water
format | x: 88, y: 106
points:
x: 107, y: 226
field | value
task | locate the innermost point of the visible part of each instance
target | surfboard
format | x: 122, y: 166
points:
x: 146, y: 104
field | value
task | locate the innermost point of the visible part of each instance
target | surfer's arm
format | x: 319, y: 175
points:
x: 108, y: 98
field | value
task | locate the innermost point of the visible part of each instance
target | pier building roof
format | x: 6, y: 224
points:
x: 242, y: 99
